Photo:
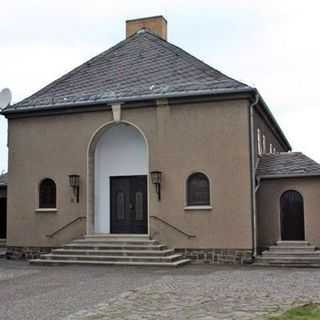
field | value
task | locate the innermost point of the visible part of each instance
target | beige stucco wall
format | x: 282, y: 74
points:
x: 268, y: 201
x: 210, y: 137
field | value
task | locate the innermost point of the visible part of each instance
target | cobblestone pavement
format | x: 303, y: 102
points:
x: 52, y: 293
x: 231, y: 294
x: 192, y: 292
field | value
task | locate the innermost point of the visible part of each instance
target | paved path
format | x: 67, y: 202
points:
x: 192, y: 292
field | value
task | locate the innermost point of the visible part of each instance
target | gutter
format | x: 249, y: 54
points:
x: 217, y: 92
x: 253, y: 178
x: 284, y: 176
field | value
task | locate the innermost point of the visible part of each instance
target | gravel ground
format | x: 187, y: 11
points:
x: 192, y: 292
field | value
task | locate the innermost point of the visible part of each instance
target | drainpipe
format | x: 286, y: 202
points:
x: 253, y: 178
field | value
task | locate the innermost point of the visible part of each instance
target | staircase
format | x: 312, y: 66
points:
x: 105, y: 249
x: 290, y: 254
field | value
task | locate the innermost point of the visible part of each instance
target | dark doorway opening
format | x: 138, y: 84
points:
x: 292, y: 216
x: 3, y: 218
x: 129, y: 204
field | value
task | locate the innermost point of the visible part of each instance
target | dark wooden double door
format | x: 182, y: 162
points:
x: 129, y: 204
x: 292, y: 216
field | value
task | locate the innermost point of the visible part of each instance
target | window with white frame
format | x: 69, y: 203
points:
x: 271, y: 148
x: 264, y: 147
x: 259, y: 141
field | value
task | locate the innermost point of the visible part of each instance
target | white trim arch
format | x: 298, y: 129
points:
x: 116, y: 168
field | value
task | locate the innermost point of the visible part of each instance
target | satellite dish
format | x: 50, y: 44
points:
x: 5, y: 98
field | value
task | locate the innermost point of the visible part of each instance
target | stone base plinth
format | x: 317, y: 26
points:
x: 218, y: 256
x: 26, y: 253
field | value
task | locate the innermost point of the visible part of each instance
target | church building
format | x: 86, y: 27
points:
x: 145, y: 155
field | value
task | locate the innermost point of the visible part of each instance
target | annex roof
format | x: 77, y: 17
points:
x: 286, y: 164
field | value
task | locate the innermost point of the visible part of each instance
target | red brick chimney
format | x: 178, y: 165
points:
x: 157, y: 25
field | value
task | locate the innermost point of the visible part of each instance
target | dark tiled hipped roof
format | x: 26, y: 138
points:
x: 141, y: 67
x: 287, y: 164
x: 3, y: 179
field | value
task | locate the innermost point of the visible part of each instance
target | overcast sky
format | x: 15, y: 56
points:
x: 273, y: 45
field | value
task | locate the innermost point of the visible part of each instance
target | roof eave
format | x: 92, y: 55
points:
x: 10, y: 111
x: 283, y: 176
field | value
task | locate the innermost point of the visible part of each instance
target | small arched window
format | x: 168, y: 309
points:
x: 198, y: 190
x: 47, y: 194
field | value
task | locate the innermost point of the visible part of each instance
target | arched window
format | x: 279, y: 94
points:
x: 198, y: 190
x: 47, y: 194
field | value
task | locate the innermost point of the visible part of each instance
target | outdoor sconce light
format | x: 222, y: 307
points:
x: 74, y: 180
x: 156, y: 180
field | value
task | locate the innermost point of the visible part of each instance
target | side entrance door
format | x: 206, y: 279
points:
x: 292, y: 216
x: 129, y: 204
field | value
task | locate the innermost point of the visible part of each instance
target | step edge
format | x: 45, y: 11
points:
x: 128, y: 263
x: 49, y: 255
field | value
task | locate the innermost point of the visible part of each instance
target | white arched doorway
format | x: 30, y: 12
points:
x: 120, y: 180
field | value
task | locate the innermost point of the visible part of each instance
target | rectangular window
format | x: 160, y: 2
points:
x: 271, y: 148
x: 259, y: 142
x: 264, y: 147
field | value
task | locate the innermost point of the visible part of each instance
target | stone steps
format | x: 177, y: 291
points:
x: 113, y: 252
x: 116, y: 242
x: 137, y: 250
x: 44, y: 262
x: 287, y: 265
x: 292, y: 249
x: 105, y: 246
x: 116, y: 236
x: 290, y: 254
x: 299, y: 243
x: 283, y: 259
x: 109, y: 258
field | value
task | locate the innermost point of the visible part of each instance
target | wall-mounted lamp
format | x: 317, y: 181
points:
x: 156, y: 180
x: 74, y: 180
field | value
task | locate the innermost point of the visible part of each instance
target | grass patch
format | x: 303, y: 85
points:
x: 306, y: 312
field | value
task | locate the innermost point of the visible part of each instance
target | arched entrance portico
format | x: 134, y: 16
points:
x: 292, y: 216
x: 117, y: 180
